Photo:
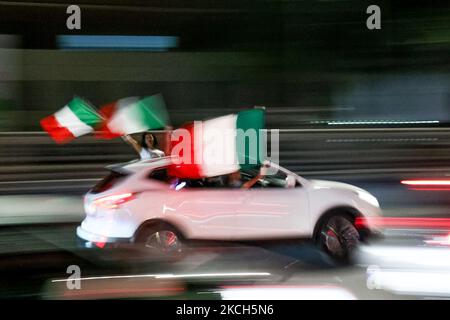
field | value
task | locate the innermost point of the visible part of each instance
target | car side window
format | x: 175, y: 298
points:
x: 193, y: 183
x: 159, y: 174
x: 215, y: 182
x: 182, y: 183
x: 279, y: 180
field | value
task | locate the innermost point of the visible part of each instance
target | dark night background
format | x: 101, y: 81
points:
x: 308, y: 62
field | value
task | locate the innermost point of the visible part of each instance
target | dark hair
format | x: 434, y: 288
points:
x: 144, y: 143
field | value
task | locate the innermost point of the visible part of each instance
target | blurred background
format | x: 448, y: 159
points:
x: 368, y: 107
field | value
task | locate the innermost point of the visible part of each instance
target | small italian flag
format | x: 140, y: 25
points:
x: 219, y: 146
x: 131, y: 115
x: 77, y: 118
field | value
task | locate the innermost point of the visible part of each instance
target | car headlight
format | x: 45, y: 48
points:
x: 367, y: 197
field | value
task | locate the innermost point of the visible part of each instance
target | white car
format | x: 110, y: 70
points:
x: 137, y: 202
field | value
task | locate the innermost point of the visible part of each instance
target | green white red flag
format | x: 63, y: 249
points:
x: 132, y: 115
x: 77, y: 118
x: 219, y: 146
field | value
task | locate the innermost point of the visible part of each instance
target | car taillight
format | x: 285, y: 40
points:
x: 113, y: 201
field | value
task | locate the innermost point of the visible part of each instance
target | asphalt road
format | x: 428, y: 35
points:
x: 34, y: 261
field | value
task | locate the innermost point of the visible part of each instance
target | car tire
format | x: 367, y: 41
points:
x: 161, y: 238
x: 338, y: 237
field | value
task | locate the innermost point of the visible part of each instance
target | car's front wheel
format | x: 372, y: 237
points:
x: 338, y: 237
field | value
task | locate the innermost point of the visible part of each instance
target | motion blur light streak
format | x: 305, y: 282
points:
x: 120, y: 292
x: 150, y: 43
x: 427, y: 185
x: 433, y: 283
x: 286, y: 293
x: 441, y: 241
x: 212, y: 275
x: 109, y: 277
x: 435, y: 258
x: 430, y: 189
x: 381, y: 140
x: 171, y: 276
x: 426, y: 182
x: 372, y: 122
x: 403, y: 222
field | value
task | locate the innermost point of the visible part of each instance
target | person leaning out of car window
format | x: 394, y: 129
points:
x: 147, y: 149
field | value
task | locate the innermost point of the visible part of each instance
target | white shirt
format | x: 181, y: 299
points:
x: 150, y: 153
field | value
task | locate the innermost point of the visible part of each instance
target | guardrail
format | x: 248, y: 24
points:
x: 32, y: 162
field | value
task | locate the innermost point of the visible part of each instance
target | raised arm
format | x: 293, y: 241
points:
x: 136, y: 146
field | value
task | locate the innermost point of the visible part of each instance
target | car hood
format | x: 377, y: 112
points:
x: 335, y: 185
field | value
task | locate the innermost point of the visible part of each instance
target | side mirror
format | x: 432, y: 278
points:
x: 291, y: 182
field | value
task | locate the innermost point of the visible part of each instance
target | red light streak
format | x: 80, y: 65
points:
x: 404, y: 222
x: 427, y: 184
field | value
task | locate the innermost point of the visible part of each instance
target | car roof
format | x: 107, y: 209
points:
x: 138, y: 165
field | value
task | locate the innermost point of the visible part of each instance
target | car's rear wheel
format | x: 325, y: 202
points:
x: 338, y: 237
x: 161, y: 238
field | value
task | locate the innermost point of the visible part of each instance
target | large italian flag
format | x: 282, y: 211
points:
x: 131, y: 115
x: 77, y: 118
x: 219, y: 146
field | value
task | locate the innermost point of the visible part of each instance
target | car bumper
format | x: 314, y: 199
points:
x: 90, y: 238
